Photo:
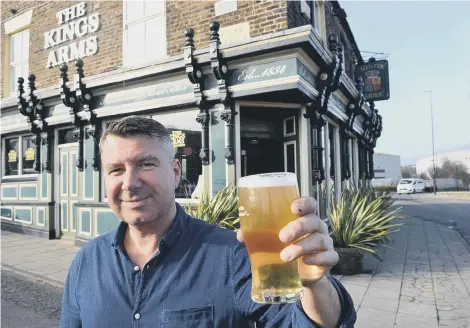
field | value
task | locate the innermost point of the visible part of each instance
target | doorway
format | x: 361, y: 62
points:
x: 68, y: 183
x: 268, y: 140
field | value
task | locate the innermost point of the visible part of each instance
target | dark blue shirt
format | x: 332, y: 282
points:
x: 199, y: 277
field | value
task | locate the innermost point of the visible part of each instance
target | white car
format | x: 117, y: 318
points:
x: 410, y: 186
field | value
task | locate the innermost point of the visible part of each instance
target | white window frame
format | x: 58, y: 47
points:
x: 13, y: 64
x: 125, y: 58
x: 288, y: 143
x: 37, y: 216
x: 316, y: 16
x: 20, y: 157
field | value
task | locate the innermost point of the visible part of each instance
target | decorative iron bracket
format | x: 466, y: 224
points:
x: 82, y: 93
x: 78, y: 133
x: 68, y: 97
x: 203, y: 118
x: 317, y: 123
x: 89, y: 121
x: 196, y: 77
x: 32, y: 108
x: 220, y: 69
x: 93, y: 131
x: 354, y: 108
x: 228, y: 115
x: 328, y: 80
x: 46, y: 139
x: 193, y: 69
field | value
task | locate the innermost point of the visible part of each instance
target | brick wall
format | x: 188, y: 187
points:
x: 264, y: 17
x: 109, y: 37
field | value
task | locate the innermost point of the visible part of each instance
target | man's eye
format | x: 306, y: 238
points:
x: 147, y: 165
x: 114, y: 171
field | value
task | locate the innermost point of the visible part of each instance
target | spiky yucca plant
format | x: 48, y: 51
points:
x: 362, y: 219
x: 221, y: 210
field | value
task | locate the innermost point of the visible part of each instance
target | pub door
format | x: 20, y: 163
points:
x: 68, y: 189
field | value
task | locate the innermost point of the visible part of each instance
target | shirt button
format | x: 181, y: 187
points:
x: 137, y: 316
x: 136, y: 268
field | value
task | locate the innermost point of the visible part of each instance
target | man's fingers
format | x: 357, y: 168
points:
x: 303, y: 206
x: 301, y: 227
x: 240, y: 236
x: 315, y: 242
x: 325, y: 259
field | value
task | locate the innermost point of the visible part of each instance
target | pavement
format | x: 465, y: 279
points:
x: 424, y: 280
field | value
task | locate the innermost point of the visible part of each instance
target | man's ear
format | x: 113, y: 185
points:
x: 177, y: 172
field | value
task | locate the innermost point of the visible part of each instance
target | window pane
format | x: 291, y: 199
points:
x: 186, y: 136
x: 135, y: 45
x: 67, y: 136
x: 29, y: 150
x: 153, y: 7
x: 15, y: 72
x: 155, y: 38
x: 15, y: 47
x: 11, y: 153
x: 25, y: 70
x: 25, y: 45
x: 290, y: 158
x: 134, y: 10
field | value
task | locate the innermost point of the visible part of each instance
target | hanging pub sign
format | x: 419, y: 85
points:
x: 73, y: 24
x: 376, y: 79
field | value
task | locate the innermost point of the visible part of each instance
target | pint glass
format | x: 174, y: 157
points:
x: 264, y: 207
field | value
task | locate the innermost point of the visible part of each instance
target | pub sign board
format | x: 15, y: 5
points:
x: 376, y: 80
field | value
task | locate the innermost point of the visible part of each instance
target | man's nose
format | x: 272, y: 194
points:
x: 131, y: 180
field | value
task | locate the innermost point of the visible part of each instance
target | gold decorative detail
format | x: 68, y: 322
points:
x: 29, y: 154
x: 178, y: 138
x: 12, y: 156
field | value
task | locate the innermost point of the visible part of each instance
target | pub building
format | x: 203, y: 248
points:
x: 291, y: 100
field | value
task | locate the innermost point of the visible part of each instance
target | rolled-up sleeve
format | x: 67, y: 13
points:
x: 278, y: 315
x: 70, y: 313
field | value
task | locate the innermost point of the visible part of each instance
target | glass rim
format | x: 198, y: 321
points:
x: 273, y: 179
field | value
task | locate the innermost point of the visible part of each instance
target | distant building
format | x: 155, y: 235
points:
x: 461, y: 156
x: 387, y: 169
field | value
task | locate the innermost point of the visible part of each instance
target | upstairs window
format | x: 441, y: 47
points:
x: 19, y: 59
x: 312, y: 11
x: 144, y: 31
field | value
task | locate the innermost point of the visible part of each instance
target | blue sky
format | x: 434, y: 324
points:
x: 428, y: 43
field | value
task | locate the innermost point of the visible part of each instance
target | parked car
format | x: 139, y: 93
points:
x: 410, y: 186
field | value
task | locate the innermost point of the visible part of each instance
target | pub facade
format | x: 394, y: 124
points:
x: 243, y: 87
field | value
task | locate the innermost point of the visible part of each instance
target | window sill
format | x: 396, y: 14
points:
x: 20, y: 178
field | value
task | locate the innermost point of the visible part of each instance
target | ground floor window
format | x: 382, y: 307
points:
x: 186, y: 135
x: 19, y: 156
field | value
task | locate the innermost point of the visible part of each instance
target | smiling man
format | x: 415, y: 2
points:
x: 163, y: 268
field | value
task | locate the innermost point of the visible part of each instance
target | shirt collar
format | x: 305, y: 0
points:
x: 167, y: 241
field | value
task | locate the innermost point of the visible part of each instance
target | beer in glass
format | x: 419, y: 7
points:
x: 264, y: 206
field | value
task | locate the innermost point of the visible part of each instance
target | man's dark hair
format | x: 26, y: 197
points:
x: 139, y: 126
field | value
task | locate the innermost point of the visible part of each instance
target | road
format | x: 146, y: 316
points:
x: 438, y: 209
x: 27, y: 303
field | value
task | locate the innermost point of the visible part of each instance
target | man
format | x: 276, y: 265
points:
x: 162, y: 268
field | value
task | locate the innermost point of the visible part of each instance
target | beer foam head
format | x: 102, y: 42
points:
x: 278, y: 179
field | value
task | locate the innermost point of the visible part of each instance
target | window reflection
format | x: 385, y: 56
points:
x: 186, y: 135
x: 29, y: 150
x: 11, y: 153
